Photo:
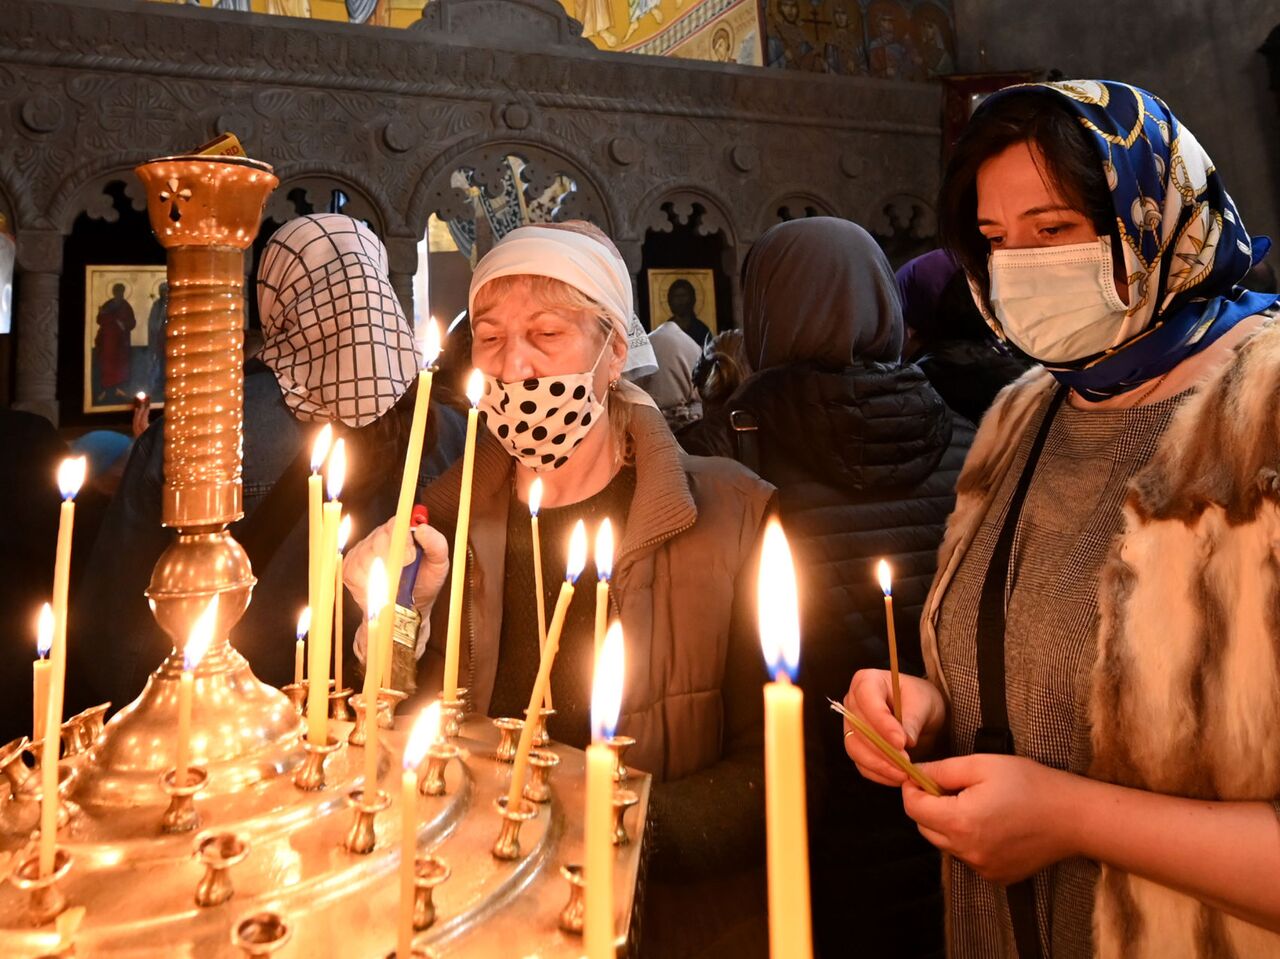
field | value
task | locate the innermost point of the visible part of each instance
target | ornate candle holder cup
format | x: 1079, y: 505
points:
x: 623, y: 799
x: 452, y: 713
x: 338, y: 707
x: 82, y: 730
x: 388, y: 700
x: 541, y: 763
x: 428, y: 872
x: 438, y: 756
x: 261, y: 934
x: 46, y: 900
x: 309, y: 777
x: 507, y: 845
x: 219, y: 851
x: 619, y: 745
x: 363, y: 835
x: 297, y: 693
x: 540, y: 738
x: 572, y: 914
x: 181, y: 816
x: 508, y: 738
x: 13, y: 769
x: 357, y: 736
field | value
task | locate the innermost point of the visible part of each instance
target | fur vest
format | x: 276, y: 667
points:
x: 1186, y: 687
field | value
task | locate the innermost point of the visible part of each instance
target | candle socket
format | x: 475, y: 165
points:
x: 309, y: 777
x: 538, y: 787
x: 13, y: 769
x: 297, y: 693
x: 46, y: 900
x: 218, y: 851
x: 358, y: 736
x: 508, y: 738
x: 452, y: 713
x: 428, y: 872
x: 338, y: 706
x: 438, y: 757
x: 388, y: 700
x: 540, y: 737
x: 33, y: 791
x: 261, y: 934
x: 574, y: 911
x: 82, y: 730
x: 363, y: 836
x: 619, y: 745
x: 623, y: 799
x: 181, y: 816
x: 507, y: 845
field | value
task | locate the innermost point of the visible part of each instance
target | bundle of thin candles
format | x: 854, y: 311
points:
x: 893, y: 755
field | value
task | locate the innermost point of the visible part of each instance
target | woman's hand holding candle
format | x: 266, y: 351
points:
x: 870, y: 698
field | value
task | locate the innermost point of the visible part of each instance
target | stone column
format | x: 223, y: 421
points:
x: 402, y: 260
x: 35, y: 324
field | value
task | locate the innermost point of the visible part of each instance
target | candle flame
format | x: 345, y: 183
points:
x: 535, y: 497
x: 44, y: 631
x: 376, y: 591
x: 475, y: 387
x: 304, y: 622
x: 201, y: 636
x: 577, y: 552
x: 778, y: 604
x: 344, y: 532
x: 430, y: 343
x: 885, y: 575
x: 606, y: 685
x: 337, y: 469
x: 320, y: 448
x: 71, y: 476
x: 140, y: 396
x: 604, y: 550
x: 425, y: 731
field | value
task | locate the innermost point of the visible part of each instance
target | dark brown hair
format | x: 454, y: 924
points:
x: 1072, y: 166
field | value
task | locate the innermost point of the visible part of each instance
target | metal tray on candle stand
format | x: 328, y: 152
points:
x: 138, y: 884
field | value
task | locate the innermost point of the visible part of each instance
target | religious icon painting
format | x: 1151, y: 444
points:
x: 685, y: 297
x: 125, y: 313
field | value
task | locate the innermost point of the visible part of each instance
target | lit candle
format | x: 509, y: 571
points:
x: 339, y: 639
x: 315, y: 499
x: 535, y: 504
x: 577, y: 560
x: 322, y: 617
x: 423, y: 733
x: 40, y: 672
x: 409, y: 478
x: 475, y: 388
x: 70, y: 478
x: 376, y: 607
x: 197, y: 642
x: 604, y: 569
x: 300, y: 645
x: 606, y: 702
x: 788, y: 851
x: 886, y: 584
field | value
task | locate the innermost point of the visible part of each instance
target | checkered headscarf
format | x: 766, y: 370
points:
x: 335, y: 335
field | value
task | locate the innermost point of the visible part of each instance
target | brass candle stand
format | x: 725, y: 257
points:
x: 508, y: 738
x: 428, y: 872
x: 438, y: 756
x: 338, y: 705
x: 362, y: 837
x: 507, y: 845
x: 310, y: 775
x: 619, y: 745
x: 452, y: 713
x: 181, y: 816
x: 388, y: 700
x: 540, y: 737
x: 357, y: 737
x: 574, y: 911
x: 541, y: 764
x: 218, y: 852
x: 46, y: 899
x: 297, y: 693
x: 623, y: 799
x: 261, y: 934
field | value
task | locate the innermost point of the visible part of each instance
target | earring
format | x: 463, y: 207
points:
x: 613, y: 385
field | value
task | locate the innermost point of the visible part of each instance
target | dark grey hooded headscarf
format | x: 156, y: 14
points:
x: 819, y: 290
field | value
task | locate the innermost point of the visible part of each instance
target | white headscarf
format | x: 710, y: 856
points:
x: 584, y: 263
x: 334, y: 333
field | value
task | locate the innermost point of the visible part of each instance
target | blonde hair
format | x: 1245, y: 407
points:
x: 557, y: 296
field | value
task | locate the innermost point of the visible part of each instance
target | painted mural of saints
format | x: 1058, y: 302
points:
x: 289, y: 8
x: 637, y: 10
x: 934, y: 38
x: 788, y: 45
x: 597, y: 21
x: 890, y: 51
x: 844, y: 47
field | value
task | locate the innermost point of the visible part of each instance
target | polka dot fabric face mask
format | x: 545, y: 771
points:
x: 541, y: 421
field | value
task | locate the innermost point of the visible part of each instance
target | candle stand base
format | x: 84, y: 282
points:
x: 507, y: 845
x: 508, y: 738
x: 46, y: 901
x: 218, y: 851
x: 428, y: 872
x: 571, y: 916
x: 310, y: 775
x: 261, y: 934
x: 363, y: 836
x: 181, y: 816
x: 438, y: 757
x: 338, y: 706
x: 541, y: 764
x: 619, y: 745
x: 540, y: 738
x: 297, y: 693
x: 623, y: 799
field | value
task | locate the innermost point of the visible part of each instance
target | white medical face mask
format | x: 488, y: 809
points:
x: 541, y: 420
x: 1058, y: 303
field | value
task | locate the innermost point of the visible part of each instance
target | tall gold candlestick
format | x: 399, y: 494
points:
x: 377, y: 606
x: 423, y: 733
x: 192, y: 653
x: 70, y: 477
x: 339, y: 637
x: 885, y: 575
x: 577, y: 560
x: 604, y: 570
x: 475, y: 388
x: 790, y: 934
x: 322, y: 618
x: 606, y: 702
x: 535, y: 505
x: 40, y: 673
x: 315, y: 499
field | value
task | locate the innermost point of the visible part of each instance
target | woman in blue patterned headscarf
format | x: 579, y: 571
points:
x: 1103, y: 635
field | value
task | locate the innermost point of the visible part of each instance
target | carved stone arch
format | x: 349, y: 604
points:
x: 793, y: 205
x: 904, y: 224
x: 84, y: 191
x: 434, y: 192
x: 716, y: 216
x: 317, y: 185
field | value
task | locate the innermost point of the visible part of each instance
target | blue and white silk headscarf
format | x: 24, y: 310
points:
x: 1185, y: 246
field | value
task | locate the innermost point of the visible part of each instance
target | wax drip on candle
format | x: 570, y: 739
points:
x: 430, y: 344
x: 320, y: 448
x: 885, y: 575
x: 778, y: 604
x: 71, y: 474
x: 604, y: 550
x: 606, y: 685
x: 535, y: 497
x: 44, y: 631
x: 577, y: 552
